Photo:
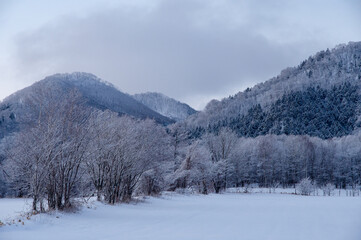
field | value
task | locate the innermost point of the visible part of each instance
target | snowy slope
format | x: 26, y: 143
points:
x: 325, y: 69
x: 212, y: 217
x: 164, y: 105
x: 94, y: 92
x: 104, y: 95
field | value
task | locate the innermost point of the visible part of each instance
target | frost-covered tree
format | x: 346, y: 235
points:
x: 126, y: 154
x: 221, y: 147
x: 305, y: 187
x: 195, y: 170
x: 44, y: 161
x: 328, y: 189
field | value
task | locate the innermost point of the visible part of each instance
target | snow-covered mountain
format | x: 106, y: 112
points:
x: 94, y: 93
x: 319, y: 97
x: 164, y: 105
x: 324, y: 71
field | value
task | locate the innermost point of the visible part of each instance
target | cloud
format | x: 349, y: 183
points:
x: 189, y: 50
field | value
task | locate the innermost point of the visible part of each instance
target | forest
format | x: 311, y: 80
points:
x: 72, y: 151
x: 324, y: 113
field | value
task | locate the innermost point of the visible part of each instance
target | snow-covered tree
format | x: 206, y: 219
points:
x: 305, y: 187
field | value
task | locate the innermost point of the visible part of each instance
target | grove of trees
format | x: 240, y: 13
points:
x: 72, y: 151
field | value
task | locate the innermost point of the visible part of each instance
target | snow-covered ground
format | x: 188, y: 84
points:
x: 10, y: 208
x: 227, y: 216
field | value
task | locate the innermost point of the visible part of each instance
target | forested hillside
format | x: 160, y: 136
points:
x: 320, y: 97
x: 325, y: 69
x: 324, y: 113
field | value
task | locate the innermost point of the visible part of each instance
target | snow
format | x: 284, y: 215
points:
x: 164, y: 105
x: 11, y: 208
x: 226, y: 216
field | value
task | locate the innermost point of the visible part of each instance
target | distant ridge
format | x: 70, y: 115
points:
x: 164, y: 105
x: 94, y: 91
x: 326, y: 70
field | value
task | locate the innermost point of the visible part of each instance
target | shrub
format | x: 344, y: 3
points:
x: 305, y: 187
x: 328, y: 189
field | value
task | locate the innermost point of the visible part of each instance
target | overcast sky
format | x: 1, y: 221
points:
x: 190, y: 50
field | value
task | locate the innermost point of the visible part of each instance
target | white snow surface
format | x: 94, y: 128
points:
x: 12, y: 208
x: 183, y: 217
x: 164, y: 105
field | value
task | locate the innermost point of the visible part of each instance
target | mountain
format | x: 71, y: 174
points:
x: 93, y: 91
x: 319, y: 97
x: 165, y: 106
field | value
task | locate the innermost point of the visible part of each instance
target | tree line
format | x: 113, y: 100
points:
x: 74, y: 151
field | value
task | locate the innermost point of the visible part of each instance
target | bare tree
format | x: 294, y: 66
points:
x: 196, y: 169
x: 46, y: 157
x: 221, y: 147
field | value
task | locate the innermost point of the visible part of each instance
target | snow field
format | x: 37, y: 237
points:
x: 12, y: 208
x: 182, y: 217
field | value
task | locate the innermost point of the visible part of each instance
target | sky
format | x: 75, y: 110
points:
x: 190, y: 50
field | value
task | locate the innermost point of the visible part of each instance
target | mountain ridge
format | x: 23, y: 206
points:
x: 325, y: 69
x: 95, y: 92
x: 165, y: 105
